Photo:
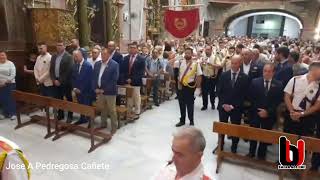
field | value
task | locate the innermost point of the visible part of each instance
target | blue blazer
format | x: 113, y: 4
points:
x: 117, y: 57
x: 109, y: 77
x: 137, y: 71
x: 82, y: 80
x: 255, y: 70
x: 269, y: 101
x: 284, y: 73
x: 232, y: 95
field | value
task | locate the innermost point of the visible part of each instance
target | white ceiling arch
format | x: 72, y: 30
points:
x: 235, y: 21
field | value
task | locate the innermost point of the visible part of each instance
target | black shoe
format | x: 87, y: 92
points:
x: 213, y: 107
x: 180, y: 124
x: 203, y: 108
x: 81, y: 122
x: 192, y: 123
x: 234, y: 148
x: 176, y: 97
x: 250, y: 155
x: 157, y: 104
x: 262, y: 158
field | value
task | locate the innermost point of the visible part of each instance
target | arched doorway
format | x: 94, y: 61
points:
x: 266, y: 24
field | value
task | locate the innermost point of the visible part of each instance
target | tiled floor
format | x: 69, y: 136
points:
x: 137, y: 151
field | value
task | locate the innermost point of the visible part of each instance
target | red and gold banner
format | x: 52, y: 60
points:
x: 181, y: 23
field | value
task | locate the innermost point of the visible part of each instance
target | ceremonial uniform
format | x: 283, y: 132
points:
x: 210, y: 78
x: 186, y: 87
x: 304, y: 95
x: 170, y: 172
x: 10, y: 154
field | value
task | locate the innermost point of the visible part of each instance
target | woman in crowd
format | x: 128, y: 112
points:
x: 7, y: 85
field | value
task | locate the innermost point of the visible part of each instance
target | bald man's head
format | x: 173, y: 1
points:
x: 246, y: 55
x: 111, y: 45
x: 255, y: 54
x: 236, y: 63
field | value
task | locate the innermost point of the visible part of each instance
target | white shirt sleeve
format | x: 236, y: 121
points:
x: 289, y: 86
x: 199, y: 71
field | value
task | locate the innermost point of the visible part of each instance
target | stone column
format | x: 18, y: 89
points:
x: 84, y: 33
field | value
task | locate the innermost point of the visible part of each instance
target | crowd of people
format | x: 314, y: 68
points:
x: 256, y: 81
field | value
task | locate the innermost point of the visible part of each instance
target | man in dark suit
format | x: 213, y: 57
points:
x: 115, y: 55
x: 250, y: 67
x: 132, y: 72
x: 61, y: 72
x: 105, y: 77
x: 232, y: 88
x: 253, y: 70
x: 284, y: 70
x: 265, y: 96
x: 81, y: 82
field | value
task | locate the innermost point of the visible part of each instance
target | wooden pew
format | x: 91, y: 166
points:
x: 262, y: 135
x: 146, y: 88
x: 88, y: 111
x: 124, y: 93
x: 46, y: 103
x: 25, y: 101
x: 163, y: 95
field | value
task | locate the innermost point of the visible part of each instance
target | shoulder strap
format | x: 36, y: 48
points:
x: 294, y: 85
x: 314, y: 99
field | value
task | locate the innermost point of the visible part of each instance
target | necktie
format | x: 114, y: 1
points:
x: 78, y: 68
x: 266, y: 88
x: 233, y: 79
x: 131, y: 63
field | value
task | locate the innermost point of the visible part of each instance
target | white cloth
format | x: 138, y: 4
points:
x: 183, y: 68
x: 42, y: 69
x: 80, y: 66
x: 93, y: 62
x: 302, y: 89
x: 7, y: 72
x: 246, y: 68
x: 102, y: 68
x: 170, y: 172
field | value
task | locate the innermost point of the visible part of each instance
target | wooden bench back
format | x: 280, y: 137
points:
x: 30, y: 98
x: 267, y: 136
x: 72, y: 107
x: 54, y: 103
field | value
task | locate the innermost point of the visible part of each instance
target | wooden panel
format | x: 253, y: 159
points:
x: 73, y: 107
x: 31, y: 98
x: 267, y: 136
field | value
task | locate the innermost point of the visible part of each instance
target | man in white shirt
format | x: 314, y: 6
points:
x: 187, y: 146
x: 42, y: 71
x: 95, y: 56
x: 303, y: 102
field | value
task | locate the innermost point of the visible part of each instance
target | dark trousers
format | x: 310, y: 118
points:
x: 208, y: 88
x: 262, y: 123
x: 186, y: 102
x: 85, y: 99
x: 47, y: 90
x: 155, y: 89
x: 304, y: 127
x: 235, y: 118
x: 315, y: 161
x: 61, y: 92
x: 176, y: 78
x: 7, y: 101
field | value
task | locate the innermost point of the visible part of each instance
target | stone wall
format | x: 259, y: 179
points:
x: 306, y: 11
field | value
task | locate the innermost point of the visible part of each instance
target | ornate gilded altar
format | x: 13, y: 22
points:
x: 50, y: 25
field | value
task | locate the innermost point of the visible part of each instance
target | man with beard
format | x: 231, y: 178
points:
x: 189, y: 78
